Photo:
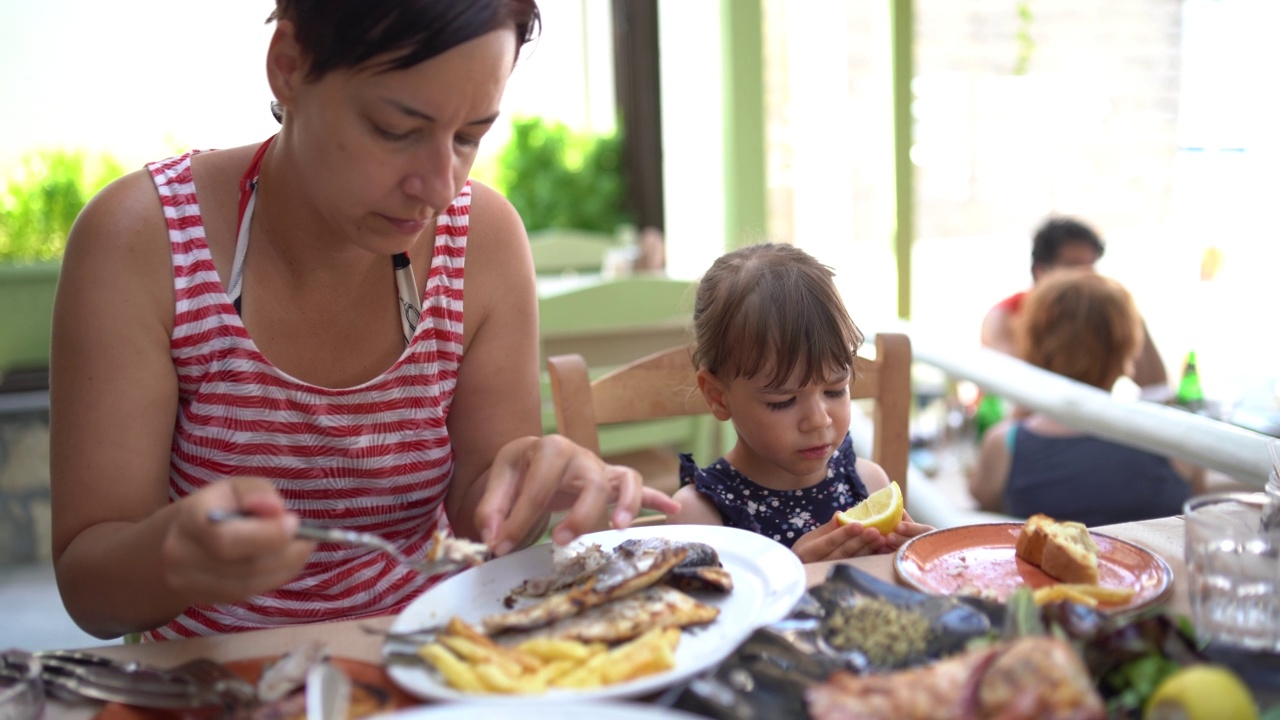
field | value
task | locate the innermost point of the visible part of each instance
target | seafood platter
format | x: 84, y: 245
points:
x: 619, y: 613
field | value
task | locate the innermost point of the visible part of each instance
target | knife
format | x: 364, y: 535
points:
x: 328, y: 692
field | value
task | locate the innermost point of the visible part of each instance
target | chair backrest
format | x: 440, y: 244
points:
x: 560, y: 250
x: 611, y: 322
x: 664, y: 385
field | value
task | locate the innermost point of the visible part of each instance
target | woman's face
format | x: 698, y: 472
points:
x: 382, y: 154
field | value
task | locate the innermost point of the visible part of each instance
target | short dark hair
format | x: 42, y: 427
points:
x: 347, y: 34
x: 1057, y: 232
x: 772, y: 306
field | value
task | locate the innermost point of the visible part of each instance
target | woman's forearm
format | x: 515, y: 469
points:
x: 111, y: 577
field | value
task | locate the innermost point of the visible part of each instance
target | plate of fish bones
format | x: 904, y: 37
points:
x: 615, y: 614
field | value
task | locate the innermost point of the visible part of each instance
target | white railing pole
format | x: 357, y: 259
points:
x: 1239, y: 453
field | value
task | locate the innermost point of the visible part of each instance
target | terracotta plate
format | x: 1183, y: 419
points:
x: 979, y: 560
x: 373, y: 693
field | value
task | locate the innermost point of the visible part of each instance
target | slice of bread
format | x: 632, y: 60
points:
x: 1030, y: 545
x: 1063, y: 550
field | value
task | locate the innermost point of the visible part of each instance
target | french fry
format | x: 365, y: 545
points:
x: 495, y: 679
x: 672, y: 636
x: 478, y: 654
x: 644, y: 655
x: 471, y: 661
x: 1061, y: 593
x: 557, y: 669
x: 456, y: 672
x: 1104, y: 594
x: 549, y: 649
x: 587, y: 675
x: 458, y: 628
x: 1083, y: 594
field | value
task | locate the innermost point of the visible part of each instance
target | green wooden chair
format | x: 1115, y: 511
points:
x: 610, y: 323
x: 557, y: 251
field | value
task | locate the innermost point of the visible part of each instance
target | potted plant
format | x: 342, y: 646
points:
x: 563, y: 180
x: 38, y: 205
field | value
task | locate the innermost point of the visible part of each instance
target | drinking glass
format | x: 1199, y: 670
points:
x: 21, y: 689
x: 1233, y: 568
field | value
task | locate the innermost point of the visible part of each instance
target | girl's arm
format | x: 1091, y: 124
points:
x: 126, y: 560
x: 990, y: 475
x: 695, y: 509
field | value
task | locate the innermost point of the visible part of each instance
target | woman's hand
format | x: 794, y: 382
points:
x: 233, y: 559
x: 905, y: 530
x: 834, y: 541
x: 532, y: 476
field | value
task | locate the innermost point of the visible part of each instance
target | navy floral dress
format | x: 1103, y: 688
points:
x: 783, y: 515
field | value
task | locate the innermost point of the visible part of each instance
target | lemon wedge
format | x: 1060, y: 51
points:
x: 1201, y: 692
x: 881, y: 510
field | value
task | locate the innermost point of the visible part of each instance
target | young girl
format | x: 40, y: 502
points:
x: 774, y: 349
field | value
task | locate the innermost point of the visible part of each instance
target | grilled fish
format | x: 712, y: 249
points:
x: 659, y: 606
x: 456, y: 550
x: 567, y: 571
x: 701, y: 570
x: 622, y: 575
x: 700, y: 579
x: 700, y: 554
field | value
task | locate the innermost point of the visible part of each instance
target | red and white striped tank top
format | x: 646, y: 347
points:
x: 374, y: 458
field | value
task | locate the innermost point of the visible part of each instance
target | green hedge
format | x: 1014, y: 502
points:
x: 42, y: 197
x: 560, y: 179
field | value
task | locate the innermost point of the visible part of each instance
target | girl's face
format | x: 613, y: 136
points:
x: 380, y: 155
x: 786, y: 435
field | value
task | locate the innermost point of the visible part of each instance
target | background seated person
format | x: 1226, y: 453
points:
x: 1066, y: 243
x: 1085, y: 327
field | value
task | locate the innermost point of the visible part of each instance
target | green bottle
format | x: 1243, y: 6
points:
x: 990, y: 411
x: 1190, y: 396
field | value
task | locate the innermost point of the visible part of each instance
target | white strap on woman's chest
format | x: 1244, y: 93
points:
x: 406, y: 282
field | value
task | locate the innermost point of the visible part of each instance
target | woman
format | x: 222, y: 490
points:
x: 281, y: 331
x: 1085, y: 327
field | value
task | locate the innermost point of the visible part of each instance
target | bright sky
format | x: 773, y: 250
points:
x: 144, y: 79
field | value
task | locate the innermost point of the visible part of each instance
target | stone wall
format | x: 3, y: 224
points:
x: 25, y: 527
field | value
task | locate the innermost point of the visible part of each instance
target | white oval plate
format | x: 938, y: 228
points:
x: 768, y: 579
x: 561, y: 710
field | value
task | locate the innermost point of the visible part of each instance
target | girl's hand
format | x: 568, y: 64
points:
x: 532, y: 476
x: 905, y: 530
x: 834, y: 541
x: 233, y: 559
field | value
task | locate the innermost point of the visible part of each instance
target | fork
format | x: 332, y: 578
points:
x: 71, y: 674
x: 221, y: 680
x: 352, y: 537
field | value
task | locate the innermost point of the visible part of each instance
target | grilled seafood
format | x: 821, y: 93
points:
x: 622, y: 575
x: 1032, y: 677
x: 626, y: 618
x: 701, y: 570
x: 456, y: 551
x: 621, y: 586
x: 700, y: 554
x: 568, y: 570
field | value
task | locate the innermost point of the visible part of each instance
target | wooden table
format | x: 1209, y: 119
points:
x: 349, y: 638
